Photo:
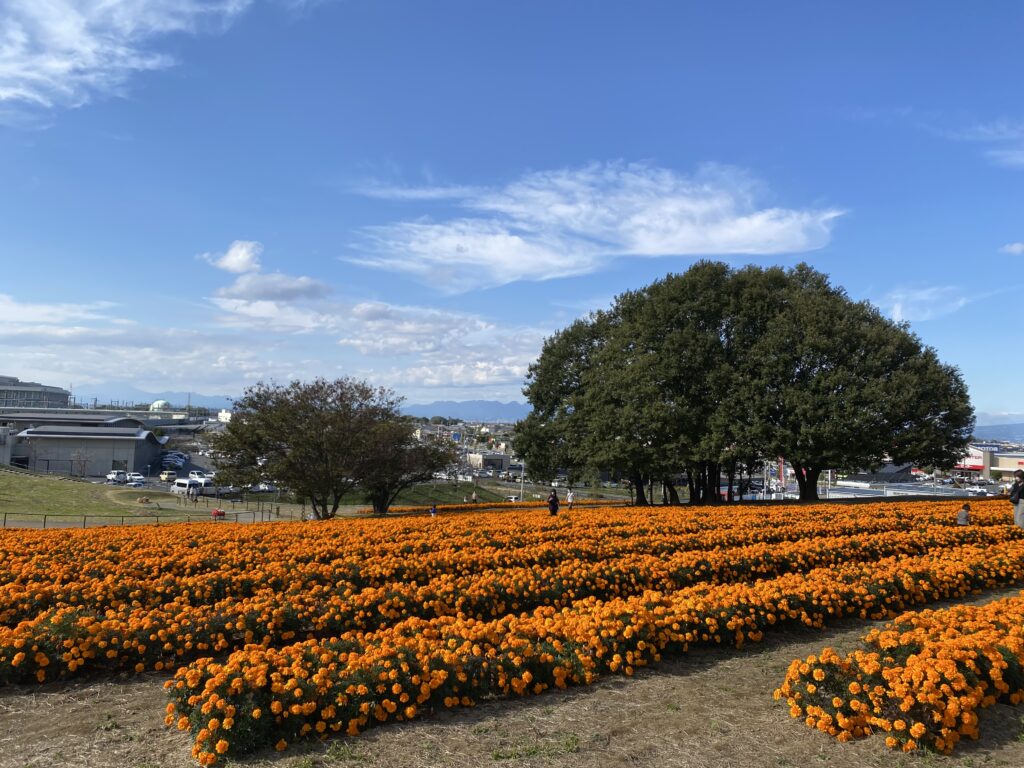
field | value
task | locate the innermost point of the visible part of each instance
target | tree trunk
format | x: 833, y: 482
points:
x: 712, y: 475
x: 673, y: 494
x: 732, y: 478
x: 380, y: 504
x: 638, y: 483
x: 807, y: 480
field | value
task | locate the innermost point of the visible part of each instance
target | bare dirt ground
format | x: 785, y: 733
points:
x: 710, y: 709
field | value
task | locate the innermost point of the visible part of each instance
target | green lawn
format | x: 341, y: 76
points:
x: 50, y: 495
x: 22, y: 494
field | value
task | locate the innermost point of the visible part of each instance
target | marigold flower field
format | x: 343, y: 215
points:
x: 921, y: 679
x: 280, y: 632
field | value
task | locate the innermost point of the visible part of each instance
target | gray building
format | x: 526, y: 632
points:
x: 87, y: 450
x: 489, y: 460
x: 15, y: 393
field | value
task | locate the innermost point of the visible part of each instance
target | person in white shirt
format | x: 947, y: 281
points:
x: 570, y: 497
x: 963, y: 516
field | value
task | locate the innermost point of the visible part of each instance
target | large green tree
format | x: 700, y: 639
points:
x: 710, y: 371
x: 322, y: 439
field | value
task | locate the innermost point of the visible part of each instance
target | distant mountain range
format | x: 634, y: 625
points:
x: 995, y: 427
x: 123, y: 394
x: 1013, y: 433
x: 466, y: 410
x: 471, y: 410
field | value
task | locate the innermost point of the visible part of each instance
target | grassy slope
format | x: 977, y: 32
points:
x: 21, y: 493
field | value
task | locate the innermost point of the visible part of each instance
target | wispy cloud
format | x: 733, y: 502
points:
x: 41, y: 314
x: 925, y: 303
x: 1010, y: 158
x: 569, y: 222
x: 62, y: 53
x: 391, y: 192
x: 378, y: 328
x: 1014, y: 248
x: 1004, y: 137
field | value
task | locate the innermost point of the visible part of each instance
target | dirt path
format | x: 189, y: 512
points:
x: 710, y: 709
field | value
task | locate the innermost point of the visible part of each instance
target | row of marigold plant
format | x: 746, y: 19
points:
x: 111, y: 568
x: 920, y: 680
x: 263, y: 696
x: 66, y: 639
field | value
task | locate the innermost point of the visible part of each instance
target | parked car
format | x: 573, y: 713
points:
x: 134, y: 484
x: 184, y: 485
x: 197, y: 474
x: 511, y: 498
x: 136, y: 477
x: 168, y: 476
x: 117, y: 476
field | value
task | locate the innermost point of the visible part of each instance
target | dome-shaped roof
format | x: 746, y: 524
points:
x: 160, y: 405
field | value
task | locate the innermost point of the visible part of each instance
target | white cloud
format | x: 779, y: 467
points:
x: 376, y: 328
x: 575, y: 221
x: 432, y: 352
x: 197, y: 365
x: 61, y: 53
x: 1014, y: 248
x: 274, y: 287
x: 918, y: 304
x: 240, y: 257
x: 270, y: 315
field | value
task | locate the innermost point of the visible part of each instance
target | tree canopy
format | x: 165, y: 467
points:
x: 323, y: 439
x: 709, y: 371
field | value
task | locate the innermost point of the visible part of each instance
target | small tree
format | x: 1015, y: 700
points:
x: 394, y: 460
x: 310, y: 437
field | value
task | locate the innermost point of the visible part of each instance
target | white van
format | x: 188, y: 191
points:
x: 185, y: 484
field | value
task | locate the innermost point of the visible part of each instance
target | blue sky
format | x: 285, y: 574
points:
x: 198, y: 195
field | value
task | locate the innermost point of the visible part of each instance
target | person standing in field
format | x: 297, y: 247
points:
x: 472, y: 497
x: 570, y: 498
x: 553, y: 502
x: 963, y: 516
x: 1017, y: 498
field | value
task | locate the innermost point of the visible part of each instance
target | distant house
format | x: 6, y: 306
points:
x: 887, y: 473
